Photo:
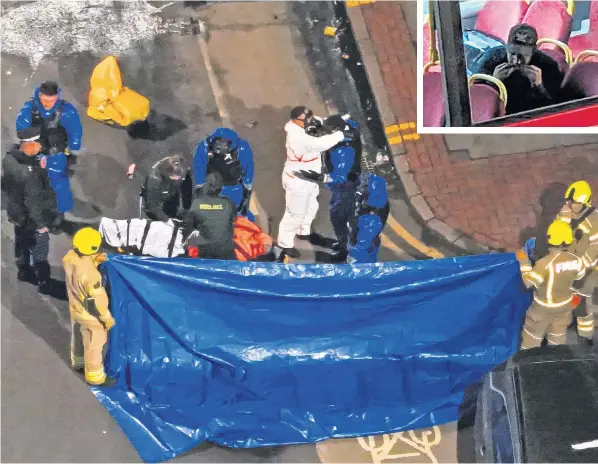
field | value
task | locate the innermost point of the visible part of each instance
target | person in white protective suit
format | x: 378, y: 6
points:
x: 301, y: 196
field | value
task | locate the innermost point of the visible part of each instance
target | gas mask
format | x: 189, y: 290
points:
x: 220, y: 147
x: 311, y: 124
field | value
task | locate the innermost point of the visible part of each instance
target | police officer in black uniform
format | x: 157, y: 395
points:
x: 213, y: 217
x: 31, y: 207
x: 167, y: 190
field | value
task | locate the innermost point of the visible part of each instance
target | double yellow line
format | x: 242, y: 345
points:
x: 351, y: 4
x: 406, y: 132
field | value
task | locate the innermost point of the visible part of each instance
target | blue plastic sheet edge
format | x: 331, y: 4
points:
x: 492, y: 283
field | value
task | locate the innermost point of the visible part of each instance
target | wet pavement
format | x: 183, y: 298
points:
x: 261, y: 63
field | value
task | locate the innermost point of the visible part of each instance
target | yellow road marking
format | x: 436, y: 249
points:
x: 351, y: 4
x: 408, y: 127
x: 411, y: 240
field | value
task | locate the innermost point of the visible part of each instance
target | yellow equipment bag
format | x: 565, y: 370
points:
x: 109, y: 101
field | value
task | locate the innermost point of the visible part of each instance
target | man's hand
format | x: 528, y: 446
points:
x: 43, y: 162
x: 502, y: 71
x: 312, y: 176
x: 109, y: 323
x: 534, y: 74
x: 44, y: 230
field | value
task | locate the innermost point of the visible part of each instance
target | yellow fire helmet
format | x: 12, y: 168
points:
x: 580, y: 192
x: 559, y: 233
x: 87, y: 241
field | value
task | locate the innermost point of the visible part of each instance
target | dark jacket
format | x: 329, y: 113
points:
x: 214, y: 218
x: 164, y: 196
x: 31, y: 201
x: 521, y: 96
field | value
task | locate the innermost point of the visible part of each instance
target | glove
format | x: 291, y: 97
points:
x: 311, y: 176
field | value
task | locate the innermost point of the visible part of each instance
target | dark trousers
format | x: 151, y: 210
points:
x: 223, y: 250
x: 342, y: 209
x: 31, y: 247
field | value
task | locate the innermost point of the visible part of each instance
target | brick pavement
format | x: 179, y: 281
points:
x: 497, y: 201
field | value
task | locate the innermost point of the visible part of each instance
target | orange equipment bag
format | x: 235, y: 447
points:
x: 249, y: 239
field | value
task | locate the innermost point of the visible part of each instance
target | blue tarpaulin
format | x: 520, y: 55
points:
x: 257, y: 354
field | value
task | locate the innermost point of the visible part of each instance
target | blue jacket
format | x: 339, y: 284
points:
x: 244, y: 152
x: 370, y: 226
x: 342, y: 159
x: 70, y: 118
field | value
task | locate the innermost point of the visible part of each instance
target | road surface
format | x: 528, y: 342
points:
x: 259, y: 61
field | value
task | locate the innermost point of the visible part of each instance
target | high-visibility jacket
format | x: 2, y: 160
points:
x: 88, y: 301
x: 586, y: 245
x: 250, y: 241
x: 553, y: 276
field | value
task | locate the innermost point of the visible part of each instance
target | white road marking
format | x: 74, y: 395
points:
x: 585, y: 445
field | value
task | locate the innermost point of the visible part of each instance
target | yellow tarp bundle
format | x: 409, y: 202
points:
x: 109, y: 101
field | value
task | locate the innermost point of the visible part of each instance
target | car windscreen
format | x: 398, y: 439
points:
x: 559, y: 408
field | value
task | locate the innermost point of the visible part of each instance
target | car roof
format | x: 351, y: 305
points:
x: 558, y: 404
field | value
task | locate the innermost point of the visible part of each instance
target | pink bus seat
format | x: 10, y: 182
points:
x: 583, y: 76
x: 550, y: 18
x: 433, y: 100
x: 485, y: 103
x: 497, y: 17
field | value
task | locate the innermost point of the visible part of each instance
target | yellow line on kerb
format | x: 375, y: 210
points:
x: 411, y: 240
x: 351, y: 4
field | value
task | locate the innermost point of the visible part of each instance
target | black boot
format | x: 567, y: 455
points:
x: 42, y: 273
x: 291, y: 252
x: 585, y: 341
x: 26, y: 274
x: 56, y: 227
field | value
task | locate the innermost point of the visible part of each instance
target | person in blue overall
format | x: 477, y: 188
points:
x: 61, y: 136
x: 371, y: 213
x: 231, y: 156
x: 340, y: 173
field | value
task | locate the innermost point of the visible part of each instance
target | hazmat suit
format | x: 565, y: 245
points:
x: 60, y: 125
x: 88, y: 304
x: 110, y: 101
x: 552, y: 278
x: 231, y: 156
x: 370, y: 216
x: 304, y: 152
x: 340, y: 172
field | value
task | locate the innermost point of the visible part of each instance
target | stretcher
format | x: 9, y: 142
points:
x: 143, y: 237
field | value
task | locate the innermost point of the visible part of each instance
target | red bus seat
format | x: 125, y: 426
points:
x: 484, y: 100
x: 497, y: 17
x: 558, y: 56
x: 587, y: 41
x: 485, y: 103
x: 550, y: 18
x: 584, y: 77
x: 433, y: 100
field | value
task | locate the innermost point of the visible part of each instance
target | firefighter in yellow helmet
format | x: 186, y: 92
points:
x: 88, y: 304
x: 583, y: 218
x: 554, y: 300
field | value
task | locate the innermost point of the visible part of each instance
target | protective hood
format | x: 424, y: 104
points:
x: 377, y: 194
x: 44, y: 112
x: 228, y: 134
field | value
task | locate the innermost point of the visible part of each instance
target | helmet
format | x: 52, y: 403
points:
x: 560, y: 233
x: 580, y: 192
x: 87, y: 241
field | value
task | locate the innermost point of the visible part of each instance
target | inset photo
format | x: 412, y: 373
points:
x: 507, y: 66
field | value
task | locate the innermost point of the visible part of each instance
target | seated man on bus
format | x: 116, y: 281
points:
x: 532, y: 78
